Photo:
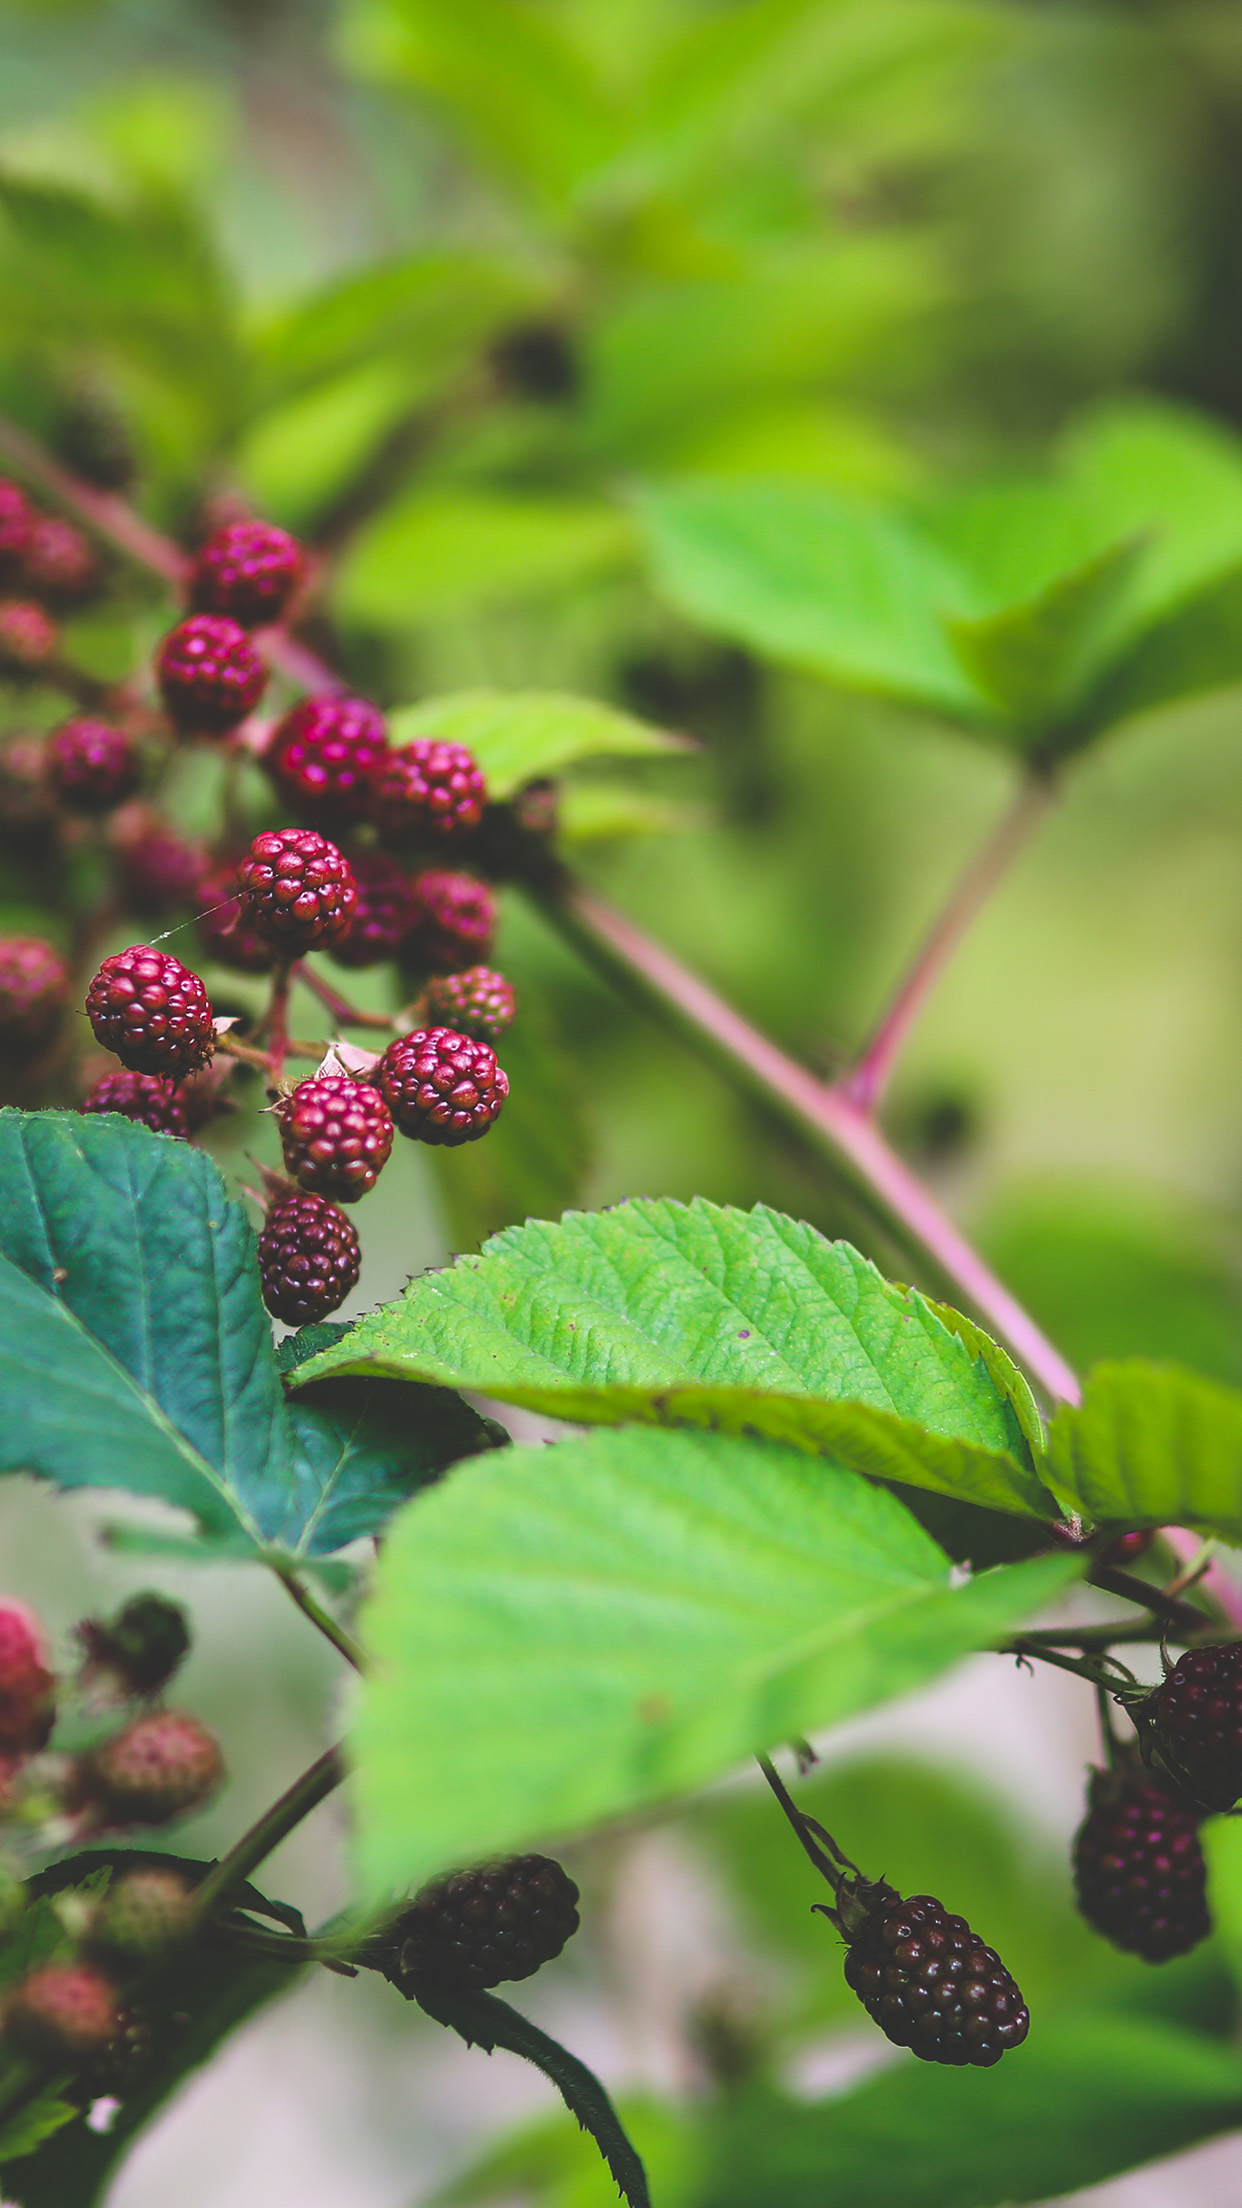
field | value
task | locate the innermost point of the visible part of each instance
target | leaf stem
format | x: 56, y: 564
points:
x: 297, y: 1802
x: 1026, y: 1645
x: 339, y: 1006
x: 864, y: 1085
x: 309, y: 1605
x: 858, y: 1153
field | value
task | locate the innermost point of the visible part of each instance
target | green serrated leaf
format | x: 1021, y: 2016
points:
x: 520, y: 735
x: 675, y: 1600
x: 1152, y: 1445
x: 697, y: 1315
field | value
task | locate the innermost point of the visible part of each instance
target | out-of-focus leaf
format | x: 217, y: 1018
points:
x: 28, y: 2127
x: 552, y: 2162
x: 1035, y: 660
x: 1197, y: 648
x: 434, y: 552
x: 518, y: 736
x: 611, y: 812
x: 1141, y: 465
x: 537, y: 1154
x: 1152, y: 1445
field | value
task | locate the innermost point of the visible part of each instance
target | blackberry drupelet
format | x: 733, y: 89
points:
x: 309, y: 1258
x: 442, y: 1087
x: 336, y: 1134
x: 927, y: 1980
x: 483, y: 1927
x: 152, y: 1012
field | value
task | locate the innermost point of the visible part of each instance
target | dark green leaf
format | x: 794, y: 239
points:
x: 361, y: 1448
x: 1152, y: 1445
x: 674, y: 1600
x: 28, y: 2127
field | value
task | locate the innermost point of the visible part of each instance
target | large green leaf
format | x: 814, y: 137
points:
x: 1035, y: 660
x: 135, y: 1351
x: 1173, y: 475
x: 698, y: 1315
x: 1196, y: 648
x: 1085, y: 2099
x: 1152, y: 1445
x: 847, y: 590
x: 433, y: 552
x: 519, y: 735
x: 563, y: 1634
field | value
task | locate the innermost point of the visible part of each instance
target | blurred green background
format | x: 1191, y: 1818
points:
x: 443, y: 287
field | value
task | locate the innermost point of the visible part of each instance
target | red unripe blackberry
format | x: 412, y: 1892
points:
x: 1190, y: 1726
x: 146, y: 1097
x: 225, y: 929
x: 480, y: 1928
x: 137, y: 1651
x: 1139, y: 1872
x: 34, y: 990
x: 248, y: 570
x: 159, y: 871
x: 476, y: 1002
x: 210, y: 675
x: 27, y: 1687
x: 16, y: 518
x: 458, y: 920
x: 58, y: 564
x: 309, y: 1258
x: 161, y: 1766
x: 297, y: 889
x: 336, y: 1133
x: 324, y: 755
x: 64, y: 2014
x: 28, y: 636
x: 928, y: 1981
x: 428, y: 792
x: 388, y: 911
x: 152, y: 1012
x: 442, y: 1087
x: 92, y: 766
x: 144, y: 1913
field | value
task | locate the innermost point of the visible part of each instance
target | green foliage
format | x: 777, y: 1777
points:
x: 518, y: 736
x: 1152, y: 1445
x: 676, y: 1599
x: 445, y: 551
x: 744, y: 1322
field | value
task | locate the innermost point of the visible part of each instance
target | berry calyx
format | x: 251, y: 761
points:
x: 149, y: 1098
x: 225, y: 929
x: 926, y: 1979
x: 1139, y: 1873
x: 28, y: 636
x: 298, y: 890
x: 248, y: 570
x: 161, y: 1766
x: 210, y: 675
x: 442, y: 1087
x: 428, y: 792
x: 324, y: 755
x: 34, y: 990
x: 152, y: 1012
x: 336, y: 1134
x: 63, y: 2014
x: 27, y: 1687
x: 58, y: 564
x: 458, y: 920
x: 137, y: 1651
x: 309, y: 1258
x: 387, y: 912
x: 476, y: 1002
x: 1190, y: 1726
x: 16, y: 520
x: 92, y: 766
x: 484, y: 1927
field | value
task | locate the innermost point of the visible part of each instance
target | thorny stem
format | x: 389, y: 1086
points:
x: 312, y: 1608
x: 866, y: 1082
x: 340, y: 1007
x: 233, y: 1869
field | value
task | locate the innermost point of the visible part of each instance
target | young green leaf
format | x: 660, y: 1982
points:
x: 1035, y: 660
x: 1152, y: 1445
x: 565, y: 1634
x: 697, y: 1315
x: 519, y: 735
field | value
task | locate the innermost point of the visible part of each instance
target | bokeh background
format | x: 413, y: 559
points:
x: 439, y: 286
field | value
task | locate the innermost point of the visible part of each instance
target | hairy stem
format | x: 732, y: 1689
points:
x: 1096, y: 1670
x: 297, y: 1802
x: 866, y: 1082
x: 643, y: 970
x: 339, y: 1006
x: 322, y: 1619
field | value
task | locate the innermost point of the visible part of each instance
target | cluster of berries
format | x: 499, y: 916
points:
x: 46, y: 568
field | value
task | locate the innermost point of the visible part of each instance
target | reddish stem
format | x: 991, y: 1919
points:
x: 865, y: 1084
x: 340, y: 1007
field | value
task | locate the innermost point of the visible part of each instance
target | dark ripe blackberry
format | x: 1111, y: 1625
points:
x: 476, y: 1002
x: 145, y: 1097
x: 323, y: 758
x: 309, y: 1258
x: 458, y: 920
x: 1190, y: 1726
x: 336, y: 1134
x: 137, y: 1651
x: 428, y: 792
x: 34, y: 990
x: 210, y: 675
x: 225, y: 929
x: 58, y: 564
x: 92, y: 766
x: 442, y: 1087
x: 158, y: 871
x: 484, y: 1927
x: 928, y: 1981
x: 28, y: 636
x: 152, y: 1012
x: 1139, y: 1872
x: 388, y: 910
x: 17, y: 517
x: 248, y: 570
x: 298, y: 891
